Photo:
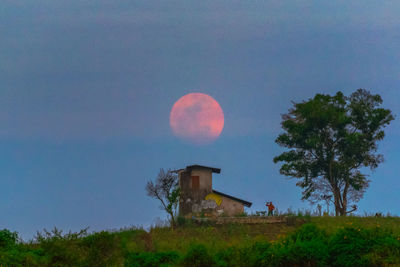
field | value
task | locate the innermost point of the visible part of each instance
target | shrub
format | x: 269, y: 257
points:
x: 61, y: 249
x: 102, y: 249
x: 198, y: 256
x: 306, y: 246
x: 10, y: 250
x: 8, y: 239
x: 151, y: 259
x: 259, y: 254
x: 307, y: 232
x: 309, y: 245
x: 348, y: 246
x: 386, y: 251
x: 233, y: 256
x: 360, y: 247
x: 181, y: 221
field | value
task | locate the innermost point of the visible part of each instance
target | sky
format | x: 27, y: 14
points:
x: 86, y: 88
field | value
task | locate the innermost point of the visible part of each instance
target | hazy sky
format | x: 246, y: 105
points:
x: 86, y: 88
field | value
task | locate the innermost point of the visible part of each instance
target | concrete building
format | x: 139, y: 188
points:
x: 198, y: 196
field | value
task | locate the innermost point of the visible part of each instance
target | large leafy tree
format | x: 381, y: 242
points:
x: 166, y: 189
x: 331, y: 141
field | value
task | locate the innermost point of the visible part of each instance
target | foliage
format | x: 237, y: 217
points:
x: 360, y: 247
x: 166, y: 190
x: 330, y: 139
x: 184, y: 222
x: 151, y: 259
x: 61, y: 249
x: 233, y: 256
x: 327, y: 241
x: 198, y: 256
x: 102, y: 249
x: 8, y: 239
x: 307, y: 245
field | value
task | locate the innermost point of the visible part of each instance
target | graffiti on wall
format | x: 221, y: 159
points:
x: 215, y: 197
x: 211, y: 201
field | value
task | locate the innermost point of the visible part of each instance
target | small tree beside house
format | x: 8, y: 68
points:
x: 166, y: 189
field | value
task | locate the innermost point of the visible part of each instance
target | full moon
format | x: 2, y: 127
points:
x: 197, y: 118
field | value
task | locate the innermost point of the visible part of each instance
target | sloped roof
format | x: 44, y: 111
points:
x: 244, y: 202
x: 194, y: 167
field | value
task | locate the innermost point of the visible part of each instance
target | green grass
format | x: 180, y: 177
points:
x: 216, y: 236
x: 331, y: 224
x: 311, y: 241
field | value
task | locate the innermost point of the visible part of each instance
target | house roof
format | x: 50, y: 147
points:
x: 244, y: 202
x: 194, y: 167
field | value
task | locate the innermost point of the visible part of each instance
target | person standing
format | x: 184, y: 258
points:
x: 271, y: 208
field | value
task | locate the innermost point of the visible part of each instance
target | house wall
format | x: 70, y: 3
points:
x: 231, y: 207
x: 185, y: 205
x: 205, y: 179
x: 191, y: 199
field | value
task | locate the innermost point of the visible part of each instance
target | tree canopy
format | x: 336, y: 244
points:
x: 330, y: 139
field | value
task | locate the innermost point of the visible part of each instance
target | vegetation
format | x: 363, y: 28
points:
x: 310, y: 241
x: 166, y: 190
x: 331, y: 138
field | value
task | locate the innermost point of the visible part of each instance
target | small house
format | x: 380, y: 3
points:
x: 198, y: 196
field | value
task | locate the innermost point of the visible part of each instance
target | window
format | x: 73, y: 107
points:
x: 195, y: 182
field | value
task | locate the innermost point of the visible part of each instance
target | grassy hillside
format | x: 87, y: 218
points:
x: 311, y: 241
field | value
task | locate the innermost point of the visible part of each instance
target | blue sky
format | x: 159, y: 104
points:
x: 86, y: 88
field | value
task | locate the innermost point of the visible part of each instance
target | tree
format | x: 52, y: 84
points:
x: 332, y: 139
x: 166, y: 190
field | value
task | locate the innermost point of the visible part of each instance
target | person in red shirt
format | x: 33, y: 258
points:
x: 271, y: 208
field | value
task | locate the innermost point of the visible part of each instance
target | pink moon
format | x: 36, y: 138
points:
x: 197, y: 118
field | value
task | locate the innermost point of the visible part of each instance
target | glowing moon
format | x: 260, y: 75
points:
x: 197, y: 118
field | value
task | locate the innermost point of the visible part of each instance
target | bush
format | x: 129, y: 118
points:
x: 306, y: 246
x: 151, y: 259
x: 8, y: 239
x: 260, y: 254
x: 307, y: 232
x: 198, y: 256
x: 348, y: 246
x: 233, y: 256
x: 102, y: 249
x: 181, y: 221
x: 361, y: 247
x: 10, y: 252
x: 61, y: 249
x: 309, y: 245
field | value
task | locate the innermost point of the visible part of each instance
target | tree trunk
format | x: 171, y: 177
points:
x: 343, y: 211
x: 339, y: 211
x: 172, y: 220
x: 343, y: 208
x: 344, y: 196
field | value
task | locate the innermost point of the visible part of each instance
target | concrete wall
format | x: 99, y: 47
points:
x: 205, y: 179
x: 250, y: 220
x: 231, y: 207
x: 185, y: 204
x: 192, y: 199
